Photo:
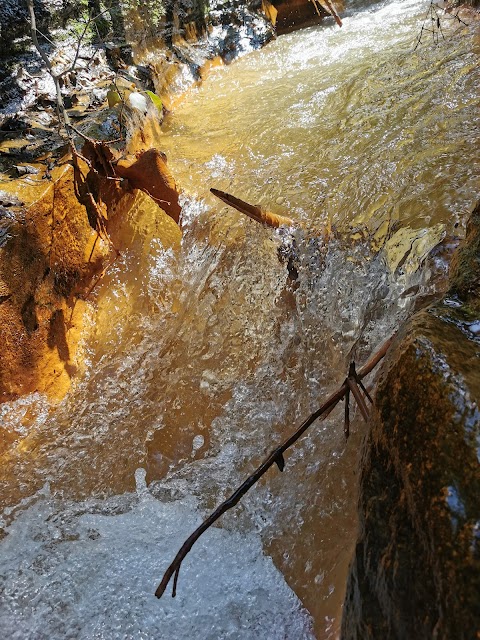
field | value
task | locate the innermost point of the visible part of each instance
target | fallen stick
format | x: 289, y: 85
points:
x: 253, y: 211
x: 275, y: 457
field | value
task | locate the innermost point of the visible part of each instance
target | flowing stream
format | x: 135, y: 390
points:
x: 204, y: 354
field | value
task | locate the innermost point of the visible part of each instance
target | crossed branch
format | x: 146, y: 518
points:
x: 352, y: 384
x: 432, y: 22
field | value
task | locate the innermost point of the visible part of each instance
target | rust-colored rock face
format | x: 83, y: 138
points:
x: 416, y: 571
x: 51, y: 253
x: 148, y: 172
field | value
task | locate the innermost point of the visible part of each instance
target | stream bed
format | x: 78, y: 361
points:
x: 204, y: 354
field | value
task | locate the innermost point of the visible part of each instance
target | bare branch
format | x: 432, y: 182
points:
x: 346, y: 426
x: 79, y: 42
x: 253, y: 211
x: 33, y: 27
x: 275, y: 457
x: 62, y: 114
x: 352, y: 385
x: 316, y: 8
x: 363, y: 388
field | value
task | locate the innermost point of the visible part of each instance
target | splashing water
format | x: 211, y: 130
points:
x: 203, y: 357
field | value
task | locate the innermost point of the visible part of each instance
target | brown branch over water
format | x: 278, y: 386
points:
x: 275, y: 457
x: 253, y: 211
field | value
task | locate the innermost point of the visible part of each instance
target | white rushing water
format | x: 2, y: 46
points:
x: 205, y: 357
x: 88, y: 570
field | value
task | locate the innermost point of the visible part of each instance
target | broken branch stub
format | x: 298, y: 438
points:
x: 253, y: 211
x: 275, y: 457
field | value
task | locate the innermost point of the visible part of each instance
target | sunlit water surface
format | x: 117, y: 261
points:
x: 203, y: 357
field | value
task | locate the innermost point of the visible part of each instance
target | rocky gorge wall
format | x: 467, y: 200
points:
x: 415, y: 574
x: 49, y: 253
x: 50, y: 250
x: 140, y: 46
x: 416, y: 570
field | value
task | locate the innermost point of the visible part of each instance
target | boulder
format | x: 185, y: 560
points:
x: 48, y: 255
x: 416, y: 568
x: 148, y: 172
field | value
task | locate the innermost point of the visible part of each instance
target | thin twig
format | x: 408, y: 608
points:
x: 346, y: 426
x: 352, y: 385
x: 46, y: 37
x: 88, y: 22
x: 82, y: 135
x: 61, y: 111
x: 363, y: 388
x: 353, y: 381
x: 457, y: 17
x: 275, y: 457
x: 434, y: 19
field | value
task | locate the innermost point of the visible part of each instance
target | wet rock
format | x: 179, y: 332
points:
x: 25, y: 169
x: 466, y: 266
x: 14, y: 22
x: 416, y: 570
x: 7, y: 225
x: 295, y: 14
x: 118, y: 56
x: 148, y: 172
x: 9, y: 200
x: 48, y: 255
